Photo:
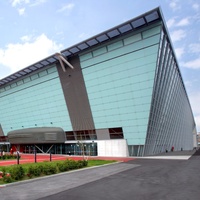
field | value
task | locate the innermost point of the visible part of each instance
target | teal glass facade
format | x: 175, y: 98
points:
x: 34, y: 101
x: 119, y: 78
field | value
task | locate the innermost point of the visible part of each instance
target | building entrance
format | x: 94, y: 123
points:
x: 88, y: 149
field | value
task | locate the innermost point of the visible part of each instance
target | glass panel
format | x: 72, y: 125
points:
x: 66, y: 53
x: 51, y: 60
x: 138, y: 22
x: 151, y: 17
x: 102, y: 38
x: 27, y: 70
x: 92, y: 42
x: 38, y: 65
x: 82, y: 46
x: 33, y: 68
x: 81, y: 149
x: 113, y: 33
x: 74, y: 50
x: 125, y: 28
x: 44, y: 62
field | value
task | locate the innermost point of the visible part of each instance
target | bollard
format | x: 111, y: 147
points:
x: 35, y: 155
x: 18, y: 157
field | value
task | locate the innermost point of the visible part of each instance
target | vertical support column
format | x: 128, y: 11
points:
x: 76, y: 96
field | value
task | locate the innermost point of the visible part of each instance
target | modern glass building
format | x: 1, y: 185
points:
x: 119, y: 93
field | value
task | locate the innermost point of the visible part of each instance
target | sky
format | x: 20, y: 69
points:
x: 31, y: 30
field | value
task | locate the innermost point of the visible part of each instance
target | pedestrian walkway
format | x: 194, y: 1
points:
x: 46, y: 186
x: 173, y: 155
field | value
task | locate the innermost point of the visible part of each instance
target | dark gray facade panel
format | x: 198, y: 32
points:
x: 103, y: 134
x: 76, y: 97
x: 42, y: 135
x: 1, y: 131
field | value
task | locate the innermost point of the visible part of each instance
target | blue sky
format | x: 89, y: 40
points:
x: 34, y: 29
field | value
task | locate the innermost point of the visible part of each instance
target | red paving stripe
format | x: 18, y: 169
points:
x: 29, y: 158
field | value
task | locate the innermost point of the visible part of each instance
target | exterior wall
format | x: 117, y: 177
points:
x: 119, y: 78
x: 171, y: 119
x: 116, y: 148
x: 195, y: 141
x: 34, y: 101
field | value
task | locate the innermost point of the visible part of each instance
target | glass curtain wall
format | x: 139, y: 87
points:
x: 171, y: 120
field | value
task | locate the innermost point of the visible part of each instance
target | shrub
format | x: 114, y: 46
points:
x: 49, y: 168
x: 4, y: 172
x: 38, y: 170
x: 62, y: 167
x: 7, y: 178
x: 71, y: 164
x: 30, y: 171
x: 85, y: 163
x: 34, y: 170
x: 17, y: 172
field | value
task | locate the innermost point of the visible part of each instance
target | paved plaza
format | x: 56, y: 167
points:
x: 140, y: 179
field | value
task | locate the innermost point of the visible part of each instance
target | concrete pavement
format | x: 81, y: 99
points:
x: 42, y: 187
x: 140, y: 179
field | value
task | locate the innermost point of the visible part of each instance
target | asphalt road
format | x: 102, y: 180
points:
x: 140, y: 179
x: 152, y: 180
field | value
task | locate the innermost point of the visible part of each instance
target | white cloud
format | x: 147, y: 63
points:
x: 37, y: 2
x: 193, y: 64
x: 21, y: 11
x: 20, y: 55
x: 175, y: 5
x: 66, y: 7
x: 26, y: 38
x: 183, y: 22
x: 179, y: 52
x: 178, y: 35
x: 195, y: 6
x: 170, y: 23
x: 188, y: 84
x: 16, y: 2
x: 194, y: 48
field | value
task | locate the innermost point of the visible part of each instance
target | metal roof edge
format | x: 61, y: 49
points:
x: 104, y: 36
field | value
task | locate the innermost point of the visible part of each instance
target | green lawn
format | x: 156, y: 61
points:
x: 92, y: 163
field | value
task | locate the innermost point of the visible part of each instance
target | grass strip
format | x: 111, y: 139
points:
x: 15, y: 173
